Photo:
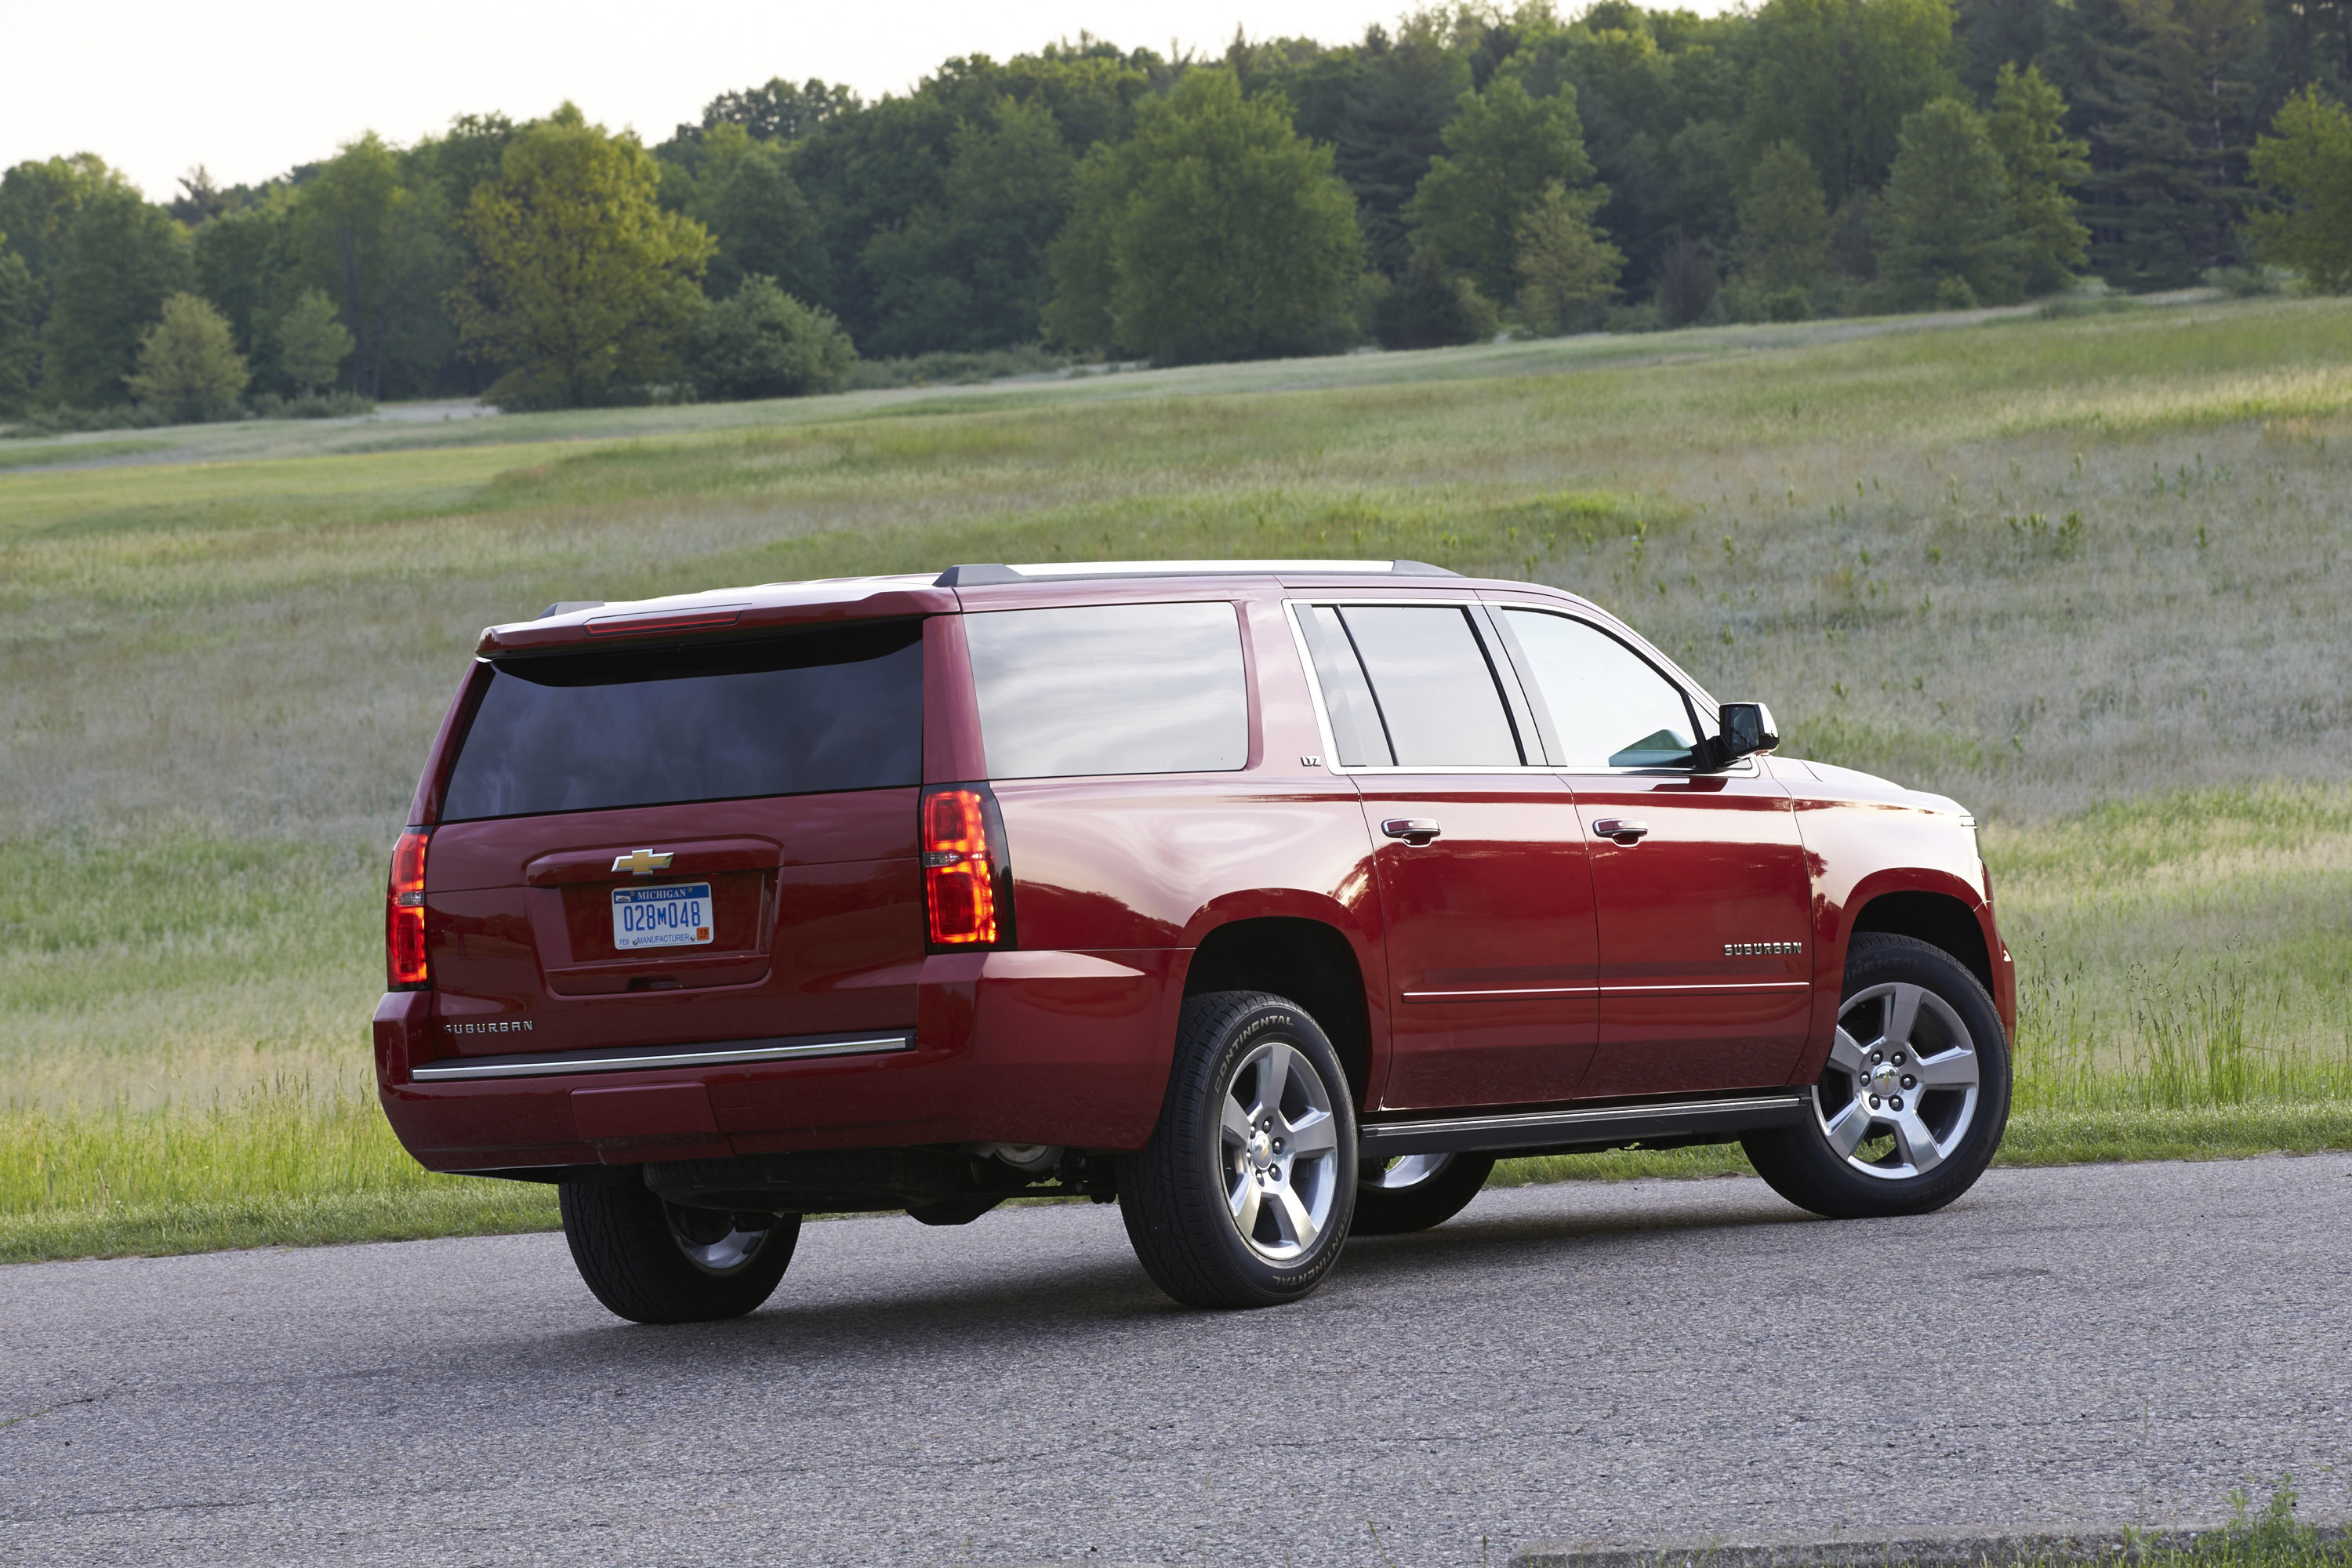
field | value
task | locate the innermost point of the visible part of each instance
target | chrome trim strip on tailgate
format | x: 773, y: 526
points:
x: 1521, y: 1128
x: 723, y: 1053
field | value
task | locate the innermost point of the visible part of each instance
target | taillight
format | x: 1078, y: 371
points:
x: 960, y: 870
x: 404, y: 915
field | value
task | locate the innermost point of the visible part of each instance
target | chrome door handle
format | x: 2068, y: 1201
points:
x: 1623, y: 829
x: 1412, y: 829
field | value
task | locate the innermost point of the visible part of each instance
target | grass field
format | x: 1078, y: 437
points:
x: 2080, y: 574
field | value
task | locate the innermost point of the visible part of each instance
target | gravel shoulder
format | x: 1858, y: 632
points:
x: 1653, y: 1360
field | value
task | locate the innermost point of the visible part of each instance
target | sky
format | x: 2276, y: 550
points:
x: 251, y: 88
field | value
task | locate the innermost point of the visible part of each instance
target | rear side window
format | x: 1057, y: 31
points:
x: 1609, y: 706
x: 1110, y: 688
x: 1409, y: 685
x: 800, y: 714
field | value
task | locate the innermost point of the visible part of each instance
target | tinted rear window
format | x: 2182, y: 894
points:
x: 804, y: 713
x: 1110, y: 688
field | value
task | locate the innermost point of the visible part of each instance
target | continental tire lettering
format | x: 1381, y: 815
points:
x: 1268, y: 1022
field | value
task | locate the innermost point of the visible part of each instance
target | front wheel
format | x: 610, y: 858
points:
x: 1915, y: 1098
x: 1414, y: 1191
x: 1244, y: 1195
x: 653, y: 1261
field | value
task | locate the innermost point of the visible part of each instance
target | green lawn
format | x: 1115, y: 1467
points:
x: 2078, y: 574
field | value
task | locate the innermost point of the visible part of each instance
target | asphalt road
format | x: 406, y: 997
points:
x: 1654, y: 1360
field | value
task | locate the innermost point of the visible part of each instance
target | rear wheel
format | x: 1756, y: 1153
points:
x: 1414, y: 1191
x: 653, y: 1261
x: 1244, y: 1195
x: 1915, y: 1098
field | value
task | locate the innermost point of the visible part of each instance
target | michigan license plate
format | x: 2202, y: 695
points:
x: 674, y: 916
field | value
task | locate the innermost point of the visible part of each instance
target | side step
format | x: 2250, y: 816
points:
x: 1662, y: 1123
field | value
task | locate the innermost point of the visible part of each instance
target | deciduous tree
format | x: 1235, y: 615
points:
x: 1947, y: 211
x: 2305, y: 165
x: 1784, y: 223
x: 1503, y: 150
x: 189, y: 368
x: 585, y: 284
x: 1215, y: 232
x: 312, y: 342
x: 1838, y: 77
x: 763, y: 342
x: 1567, y: 270
x: 121, y: 258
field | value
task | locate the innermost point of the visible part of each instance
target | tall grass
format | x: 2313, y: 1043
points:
x: 2081, y: 574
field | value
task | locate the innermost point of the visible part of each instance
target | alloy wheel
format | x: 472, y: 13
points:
x: 1900, y: 1092
x: 714, y: 1242
x: 1279, y: 1151
x: 1404, y: 1171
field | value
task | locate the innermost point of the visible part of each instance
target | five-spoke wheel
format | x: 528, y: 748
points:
x: 1244, y: 1195
x: 1914, y: 1096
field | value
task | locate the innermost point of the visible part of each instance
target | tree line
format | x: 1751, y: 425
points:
x: 1458, y: 173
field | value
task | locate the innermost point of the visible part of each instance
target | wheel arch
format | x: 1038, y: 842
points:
x: 1311, y: 961
x: 1936, y: 917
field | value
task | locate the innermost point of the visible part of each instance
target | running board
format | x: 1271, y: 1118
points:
x: 1601, y: 1127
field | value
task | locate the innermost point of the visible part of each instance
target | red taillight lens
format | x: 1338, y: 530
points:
x: 959, y: 873
x: 403, y: 914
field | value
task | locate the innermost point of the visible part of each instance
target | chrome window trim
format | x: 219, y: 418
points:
x: 1672, y: 673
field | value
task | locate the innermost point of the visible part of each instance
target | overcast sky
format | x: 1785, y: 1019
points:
x: 249, y: 88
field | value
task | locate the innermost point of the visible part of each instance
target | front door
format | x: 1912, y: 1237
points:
x: 1479, y: 859
x: 1700, y: 882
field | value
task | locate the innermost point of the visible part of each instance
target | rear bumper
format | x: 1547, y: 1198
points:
x: 1068, y: 1048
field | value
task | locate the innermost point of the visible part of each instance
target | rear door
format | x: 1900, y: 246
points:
x: 1478, y: 854
x: 688, y: 845
x: 1700, y: 880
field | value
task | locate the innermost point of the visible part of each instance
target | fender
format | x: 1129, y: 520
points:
x: 1835, y: 914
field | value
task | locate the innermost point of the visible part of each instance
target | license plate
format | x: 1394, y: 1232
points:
x: 678, y: 915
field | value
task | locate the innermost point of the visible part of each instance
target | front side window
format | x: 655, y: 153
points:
x: 797, y: 713
x: 1408, y: 686
x: 1609, y: 706
x: 1110, y: 688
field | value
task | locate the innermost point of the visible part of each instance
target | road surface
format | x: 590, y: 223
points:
x: 1670, y: 1360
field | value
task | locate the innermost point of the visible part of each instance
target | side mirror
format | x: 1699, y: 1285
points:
x: 1747, y: 730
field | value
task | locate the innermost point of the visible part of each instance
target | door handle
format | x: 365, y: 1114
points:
x: 1623, y: 829
x: 1412, y: 829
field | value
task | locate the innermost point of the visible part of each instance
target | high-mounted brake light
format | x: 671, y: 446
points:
x: 959, y: 871
x: 404, y: 915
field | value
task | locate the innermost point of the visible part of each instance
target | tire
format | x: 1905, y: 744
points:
x: 1414, y: 1191
x: 1240, y: 1201
x: 652, y: 1261
x: 1881, y: 1139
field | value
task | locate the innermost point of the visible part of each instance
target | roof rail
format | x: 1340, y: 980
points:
x: 974, y: 574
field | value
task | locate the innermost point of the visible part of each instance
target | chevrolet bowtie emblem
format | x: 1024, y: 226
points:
x: 644, y: 862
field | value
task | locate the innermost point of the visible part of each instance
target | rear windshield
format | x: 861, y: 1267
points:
x: 803, y: 713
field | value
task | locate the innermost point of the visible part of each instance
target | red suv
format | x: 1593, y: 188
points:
x: 1270, y: 900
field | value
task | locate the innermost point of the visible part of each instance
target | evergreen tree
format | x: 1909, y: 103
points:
x: 189, y: 368
x: 2305, y: 165
x: 1503, y: 150
x: 1215, y: 232
x: 1948, y: 212
x: 2028, y: 126
x: 1784, y: 225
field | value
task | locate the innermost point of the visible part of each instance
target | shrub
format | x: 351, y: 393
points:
x: 764, y: 343
x: 1433, y: 308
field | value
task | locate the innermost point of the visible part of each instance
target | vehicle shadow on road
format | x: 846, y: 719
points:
x: 1002, y: 1304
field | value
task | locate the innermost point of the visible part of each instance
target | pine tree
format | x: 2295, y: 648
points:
x: 2028, y: 126
x: 1568, y: 270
